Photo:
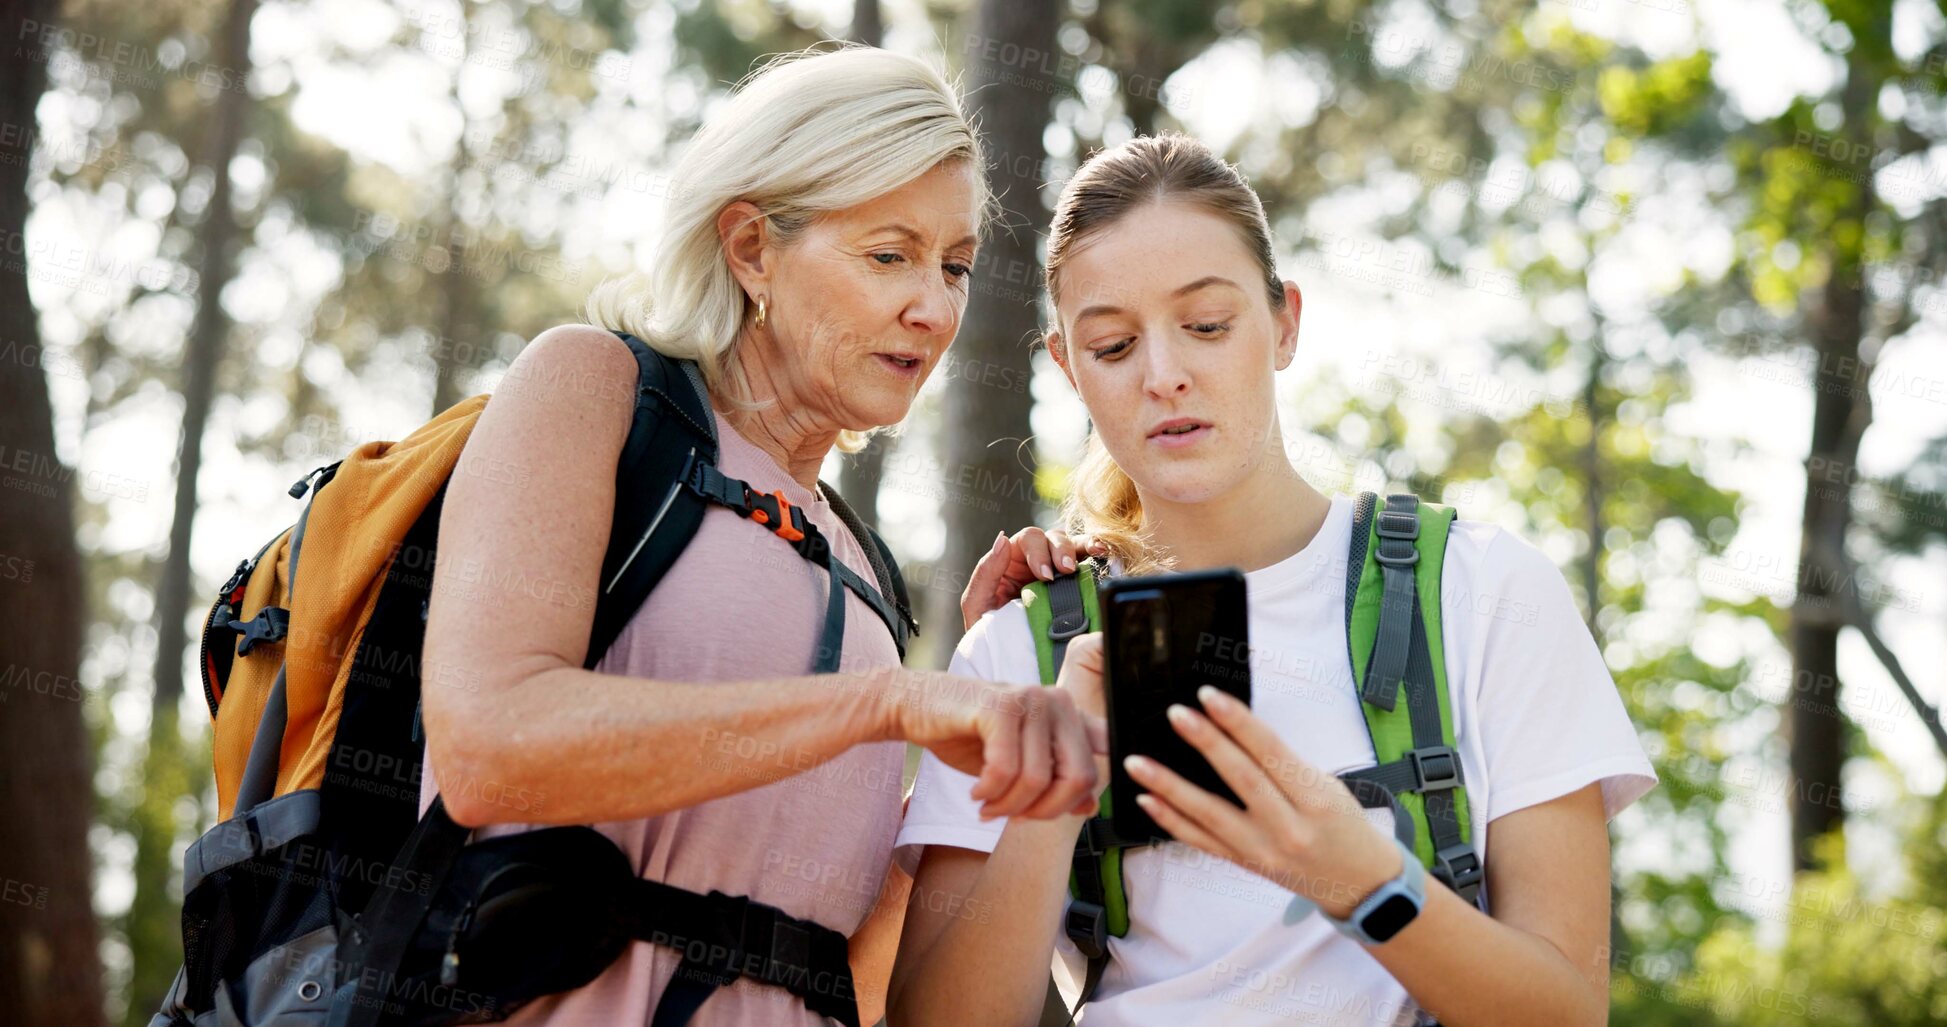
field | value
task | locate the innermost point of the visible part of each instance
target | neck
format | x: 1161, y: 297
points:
x: 789, y: 431
x: 1264, y: 519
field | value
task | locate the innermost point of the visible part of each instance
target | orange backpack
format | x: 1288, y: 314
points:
x: 353, y: 533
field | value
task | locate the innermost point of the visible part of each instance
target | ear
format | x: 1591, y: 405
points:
x: 1058, y: 349
x: 745, y: 235
x: 1287, y: 319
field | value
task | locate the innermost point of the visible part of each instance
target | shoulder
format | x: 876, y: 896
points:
x: 574, y: 363
x: 1000, y: 647
x: 1494, y: 572
x: 566, y: 400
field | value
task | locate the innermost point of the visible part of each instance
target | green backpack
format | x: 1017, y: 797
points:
x: 1392, y: 600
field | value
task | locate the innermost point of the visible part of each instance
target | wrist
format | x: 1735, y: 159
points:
x: 1389, y: 909
x: 1346, y: 891
x: 879, y: 703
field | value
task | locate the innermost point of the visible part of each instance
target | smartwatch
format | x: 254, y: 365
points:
x: 1390, y: 907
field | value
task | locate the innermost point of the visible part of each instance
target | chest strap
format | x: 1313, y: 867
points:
x: 789, y: 523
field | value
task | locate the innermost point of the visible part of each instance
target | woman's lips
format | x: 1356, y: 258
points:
x: 1180, y: 440
x: 892, y: 364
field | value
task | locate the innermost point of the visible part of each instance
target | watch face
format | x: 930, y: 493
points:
x: 1389, y: 917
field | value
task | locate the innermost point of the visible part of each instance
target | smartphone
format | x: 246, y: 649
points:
x: 1165, y: 636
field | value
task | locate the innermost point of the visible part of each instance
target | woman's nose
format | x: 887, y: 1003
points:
x: 1163, y: 372
x: 931, y: 311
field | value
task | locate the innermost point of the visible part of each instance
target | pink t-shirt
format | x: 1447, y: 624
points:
x: 740, y: 603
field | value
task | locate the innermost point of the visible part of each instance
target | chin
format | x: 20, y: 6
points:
x: 878, y: 412
x: 1182, y: 485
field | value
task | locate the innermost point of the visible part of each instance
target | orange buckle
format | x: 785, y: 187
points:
x: 783, y: 528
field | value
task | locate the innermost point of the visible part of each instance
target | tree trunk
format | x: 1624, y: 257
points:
x: 204, y: 354
x: 459, y: 328
x: 152, y: 921
x: 859, y: 473
x: 1841, y: 411
x: 988, y: 469
x: 1592, y: 491
x: 868, y: 27
x: 50, y: 973
x: 1142, y: 83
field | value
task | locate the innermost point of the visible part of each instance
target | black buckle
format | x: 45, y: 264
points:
x: 1436, y: 768
x: 1458, y: 868
x: 269, y: 625
x: 1087, y: 925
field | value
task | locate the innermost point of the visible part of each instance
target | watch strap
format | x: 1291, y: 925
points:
x: 1409, y: 887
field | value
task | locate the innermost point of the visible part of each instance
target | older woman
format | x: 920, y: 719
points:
x: 814, y: 262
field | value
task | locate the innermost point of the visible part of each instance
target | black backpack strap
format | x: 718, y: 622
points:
x: 375, y: 941
x: 655, y: 517
x: 884, y: 566
x: 665, y: 480
x: 724, y: 937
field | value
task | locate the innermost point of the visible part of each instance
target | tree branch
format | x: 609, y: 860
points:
x: 1855, y: 613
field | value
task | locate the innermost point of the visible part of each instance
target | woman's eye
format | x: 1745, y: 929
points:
x: 1109, y: 351
x: 958, y: 270
x: 887, y: 258
x: 1211, y: 328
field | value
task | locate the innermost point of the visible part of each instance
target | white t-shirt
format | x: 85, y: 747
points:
x: 1536, y: 716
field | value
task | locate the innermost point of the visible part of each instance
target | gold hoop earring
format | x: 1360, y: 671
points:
x: 762, y: 314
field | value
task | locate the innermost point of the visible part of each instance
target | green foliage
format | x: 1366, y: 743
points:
x: 1848, y: 956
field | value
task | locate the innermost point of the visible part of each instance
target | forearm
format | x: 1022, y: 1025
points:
x: 570, y: 746
x: 989, y: 965
x: 1469, y: 969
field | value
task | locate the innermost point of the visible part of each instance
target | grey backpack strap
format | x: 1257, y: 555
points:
x: 1068, y: 616
x: 1399, y: 525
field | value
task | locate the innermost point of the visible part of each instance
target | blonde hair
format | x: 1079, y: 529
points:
x: 1102, y: 500
x: 808, y: 133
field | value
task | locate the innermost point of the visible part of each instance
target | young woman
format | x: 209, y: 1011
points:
x: 1170, y: 321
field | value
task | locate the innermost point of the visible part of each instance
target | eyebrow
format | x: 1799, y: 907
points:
x: 1205, y: 282
x: 909, y: 232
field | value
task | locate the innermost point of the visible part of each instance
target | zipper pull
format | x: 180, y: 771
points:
x: 449, y: 965
x: 303, y: 485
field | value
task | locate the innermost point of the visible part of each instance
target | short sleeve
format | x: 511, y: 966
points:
x: 942, y: 810
x: 1550, y: 719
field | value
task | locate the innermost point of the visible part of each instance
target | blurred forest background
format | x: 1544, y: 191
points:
x: 1657, y: 283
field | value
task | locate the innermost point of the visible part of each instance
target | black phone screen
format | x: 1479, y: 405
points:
x: 1164, y: 636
